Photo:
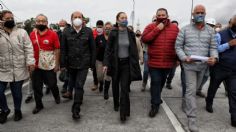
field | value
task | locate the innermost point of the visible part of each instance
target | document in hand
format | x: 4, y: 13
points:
x: 199, y: 58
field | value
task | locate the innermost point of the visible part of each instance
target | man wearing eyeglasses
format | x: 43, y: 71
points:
x: 195, y: 39
x: 46, y: 40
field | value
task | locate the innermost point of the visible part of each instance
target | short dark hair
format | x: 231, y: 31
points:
x: 174, y: 21
x: 163, y: 9
x: 100, y: 23
x: 3, y: 13
x: 108, y: 23
x: 131, y: 27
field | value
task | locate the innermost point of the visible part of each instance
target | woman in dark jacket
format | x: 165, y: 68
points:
x: 121, y: 56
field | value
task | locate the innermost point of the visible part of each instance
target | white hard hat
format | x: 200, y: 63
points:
x: 211, y: 21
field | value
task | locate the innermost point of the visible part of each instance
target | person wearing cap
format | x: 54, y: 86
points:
x: 96, y: 32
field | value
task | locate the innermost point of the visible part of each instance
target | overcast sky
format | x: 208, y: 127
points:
x: 106, y: 10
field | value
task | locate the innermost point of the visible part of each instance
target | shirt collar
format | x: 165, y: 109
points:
x: 233, y: 33
x: 77, y: 30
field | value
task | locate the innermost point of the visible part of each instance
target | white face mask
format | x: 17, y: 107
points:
x: 77, y: 22
x: 100, y: 31
x: 62, y: 28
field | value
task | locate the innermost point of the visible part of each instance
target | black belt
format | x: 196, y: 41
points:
x: 123, y: 59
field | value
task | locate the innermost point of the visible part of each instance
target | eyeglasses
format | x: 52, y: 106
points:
x: 9, y: 18
x: 41, y: 21
x: 200, y: 13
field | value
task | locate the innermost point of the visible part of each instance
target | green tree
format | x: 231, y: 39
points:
x: 29, y: 25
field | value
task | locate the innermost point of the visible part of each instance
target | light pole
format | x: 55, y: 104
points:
x: 191, y: 13
x: 133, y: 13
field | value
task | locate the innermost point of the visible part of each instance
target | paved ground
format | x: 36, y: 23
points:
x: 97, y: 115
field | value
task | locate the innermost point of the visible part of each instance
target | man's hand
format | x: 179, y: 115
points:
x: 177, y: 63
x: 161, y: 26
x: 211, y: 61
x: 31, y: 68
x: 62, y: 69
x: 56, y: 68
x: 232, y: 42
x: 105, y: 69
x: 141, y: 62
x: 188, y: 60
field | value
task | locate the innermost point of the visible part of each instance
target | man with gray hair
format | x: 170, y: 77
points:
x: 46, y: 52
x: 78, y: 54
x: 196, y: 39
x: 225, y: 70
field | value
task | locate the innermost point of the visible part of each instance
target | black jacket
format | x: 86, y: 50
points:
x: 111, y: 55
x: 78, y: 50
x: 101, y: 43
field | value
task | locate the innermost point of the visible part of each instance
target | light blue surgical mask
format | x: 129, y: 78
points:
x: 199, y: 18
x: 123, y: 23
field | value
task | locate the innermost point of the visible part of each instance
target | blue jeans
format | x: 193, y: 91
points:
x: 171, y: 75
x: 16, y: 93
x: 158, y: 79
x: 145, y: 71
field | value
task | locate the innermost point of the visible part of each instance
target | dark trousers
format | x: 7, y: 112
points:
x: 158, y: 79
x: 122, y: 84
x: 145, y: 71
x: 171, y: 75
x: 66, y: 82
x: 219, y: 74
x: 183, y: 81
x: 77, y: 80
x: 40, y: 77
x: 95, y: 78
x: 16, y: 88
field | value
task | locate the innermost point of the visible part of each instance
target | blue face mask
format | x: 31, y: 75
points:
x: 123, y: 23
x: 199, y: 18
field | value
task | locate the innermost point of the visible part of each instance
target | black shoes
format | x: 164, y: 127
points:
x: 116, y: 108
x: 200, y: 94
x: 18, y: 115
x: 58, y: 100
x: 76, y: 111
x: 106, y: 89
x: 154, y: 110
x: 209, y: 107
x: 233, y: 123
x: 37, y: 110
x: 168, y: 86
x: 63, y: 90
x: 3, y: 116
x: 106, y: 95
x: 122, y: 118
x: 28, y: 99
x: 68, y: 95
